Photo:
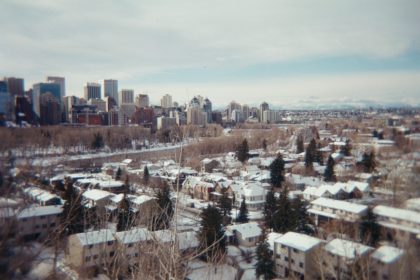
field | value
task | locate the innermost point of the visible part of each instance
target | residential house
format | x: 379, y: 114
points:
x: 246, y: 234
x: 41, y: 197
x: 254, y: 196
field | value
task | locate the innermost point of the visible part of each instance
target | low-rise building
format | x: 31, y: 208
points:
x: 246, y: 234
x: 387, y: 263
x: 38, y: 222
x: 298, y: 255
x: 399, y: 225
x: 344, y: 259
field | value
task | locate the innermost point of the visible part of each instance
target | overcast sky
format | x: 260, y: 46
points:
x: 284, y: 52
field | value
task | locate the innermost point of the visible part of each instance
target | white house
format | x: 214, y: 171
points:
x: 387, y: 263
x: 246, y: 234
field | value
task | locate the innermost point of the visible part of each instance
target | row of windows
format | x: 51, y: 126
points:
x: 95, y: 257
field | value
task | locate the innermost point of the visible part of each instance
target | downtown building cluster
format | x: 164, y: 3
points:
x: 103, y: 103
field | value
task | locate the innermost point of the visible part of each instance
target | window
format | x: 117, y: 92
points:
x: 292, y: 261
x: 90, y: 246
x: 295, y: 251
x: 24, y: 220
x: 52, y: 225
x: 87, y: 259
x: 42, y: 217
x: 44, y: 226
x: 136, y: 255
x: 283, y: 247
x: 130, y: 245
x: 300, y: 264
x: 112, y: 254
x: 95, y: 257
x: 37, y: 226
x: 110, y: 243
x: 286, y: 258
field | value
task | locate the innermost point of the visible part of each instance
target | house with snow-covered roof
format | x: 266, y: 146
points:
x: 41, y: 197
x: 246, y: 234
x: 296, y: 255
x: 254, y: 195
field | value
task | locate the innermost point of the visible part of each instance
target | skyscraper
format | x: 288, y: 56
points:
x: 110, y: 88
x: 62, y: 82
x: 40, y: 89
x: 207, y: 108
x: 15, y: 86
x: 142, y: 100
x: 166, y: 101
x: 92, y: 90
x: 263, y: 107
x: 126, y: 97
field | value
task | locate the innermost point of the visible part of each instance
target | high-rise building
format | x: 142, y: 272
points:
x: 142, y: 100
x: 164, y: 123
x: 110, y: 88
x: 196, y: 116
x: 110, y: 103
x: 15, y: 86
x: 232, y: 106
x: 92, y: 90
x: 207, y: 108
x: 263, y: 107
x: 69, y: 101
x: 50, y: 109
x: 245, y: 111
x: 40, y: 89
x: 237, y: 116
x: 166, y: 101
x: 126, y: 97
x: 99, y: 103
x: 6, y: 103
x: 62, y: 82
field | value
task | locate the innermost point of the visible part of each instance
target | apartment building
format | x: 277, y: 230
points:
x: 326, y: 209
x: 343, y: 259
x: 297, y: 255
x: 38, y: 222
x: 90, y: 249
x: 387, y: 264
x: 399, y: 225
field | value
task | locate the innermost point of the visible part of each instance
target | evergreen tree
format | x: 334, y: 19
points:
x: 166, y: 211
x: 369, y: 162
x: 243, y: 213
x: 73, y: 215
x: 283, y: 220
x: 265, y: 265
x: 346, y: 149
x: 310, y: 154
x: 300, y: 147
x: 118, y: 174
x: 318, y: 155
x: 124, y: 215
x: 264, y: 144
x: 329, y: 175
x: 225, y: 205
x: 301, y: 218
x: 276, y: 171
x: 212, y: 234
x: 242, y: 151
x: 270, y: 207
x: 370, y: 230
x: 146, y: 175
x: 98, y: 141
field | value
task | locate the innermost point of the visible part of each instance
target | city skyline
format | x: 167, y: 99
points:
x: 286, y: 53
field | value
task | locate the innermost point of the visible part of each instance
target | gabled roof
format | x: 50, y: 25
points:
x: 347, y: 249
x: 299, y: 241
x: 96, y: 195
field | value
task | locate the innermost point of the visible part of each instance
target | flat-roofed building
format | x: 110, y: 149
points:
x: 297, y: 255
x: 38, y: 222
x: 387, y: 264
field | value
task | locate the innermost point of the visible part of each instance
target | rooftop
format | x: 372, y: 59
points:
x: 40, y: 211
x: 340, y: 205
x: 299, y: 241
x: 347, y: 249
x: 95, y: 237
x: 387, y: 254
x: 397, y: 213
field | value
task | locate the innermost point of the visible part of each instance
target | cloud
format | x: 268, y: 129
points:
x: 131, y: 40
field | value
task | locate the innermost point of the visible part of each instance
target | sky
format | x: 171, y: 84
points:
x: 285, y: 52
